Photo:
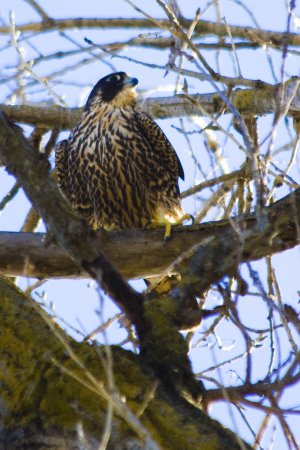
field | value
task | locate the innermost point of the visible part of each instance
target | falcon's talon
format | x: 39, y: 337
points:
x: 168, y: 225
x: 168, y: 229
x: 183, y: 218
x: 189, y: 217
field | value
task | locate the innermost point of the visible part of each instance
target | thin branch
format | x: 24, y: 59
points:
x: 38, y: 9
x: 261, y: 388
x: 203, y: 28
x: 235, y: 175
x: 10, y: 195
x: 247, y: 101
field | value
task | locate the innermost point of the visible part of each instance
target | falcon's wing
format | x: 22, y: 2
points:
x: 61, y: 163
x: 159, y: 142
x: 70, y: 177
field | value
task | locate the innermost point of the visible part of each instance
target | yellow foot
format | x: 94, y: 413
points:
x: 168, y: 225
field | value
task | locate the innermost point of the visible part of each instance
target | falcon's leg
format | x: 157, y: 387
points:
x: 168, y: 225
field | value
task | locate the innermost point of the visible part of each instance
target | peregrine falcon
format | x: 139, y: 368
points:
x: 117, y: 169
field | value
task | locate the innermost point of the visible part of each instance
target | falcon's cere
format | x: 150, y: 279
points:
x: 118, y: 169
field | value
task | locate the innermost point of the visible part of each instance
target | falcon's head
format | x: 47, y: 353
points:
x: 117, y: 89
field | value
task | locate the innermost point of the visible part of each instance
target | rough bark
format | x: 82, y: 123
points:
x: 134, y: 253
x: 44, y: 407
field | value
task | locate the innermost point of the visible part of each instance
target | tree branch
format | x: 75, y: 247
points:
x: 257, y: 102
x: 52, y: 403
x: 134, y: 253
x: 275, y: 230
x: 203, y: 28
x: 260, y: 388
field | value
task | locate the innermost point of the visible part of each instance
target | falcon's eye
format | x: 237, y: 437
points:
x: 113, y: 78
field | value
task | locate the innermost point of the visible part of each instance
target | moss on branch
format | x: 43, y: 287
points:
x: 38, y: 395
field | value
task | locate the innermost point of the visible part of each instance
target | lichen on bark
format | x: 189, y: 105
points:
x: 39, y: 398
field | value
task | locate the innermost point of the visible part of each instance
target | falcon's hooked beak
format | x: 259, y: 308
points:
x: 130, y: 82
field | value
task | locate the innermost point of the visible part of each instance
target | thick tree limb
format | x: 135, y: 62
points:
x: 134, y: 253
x: 202, y: 28
x: 36, y: 387
x: 257, y: 102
